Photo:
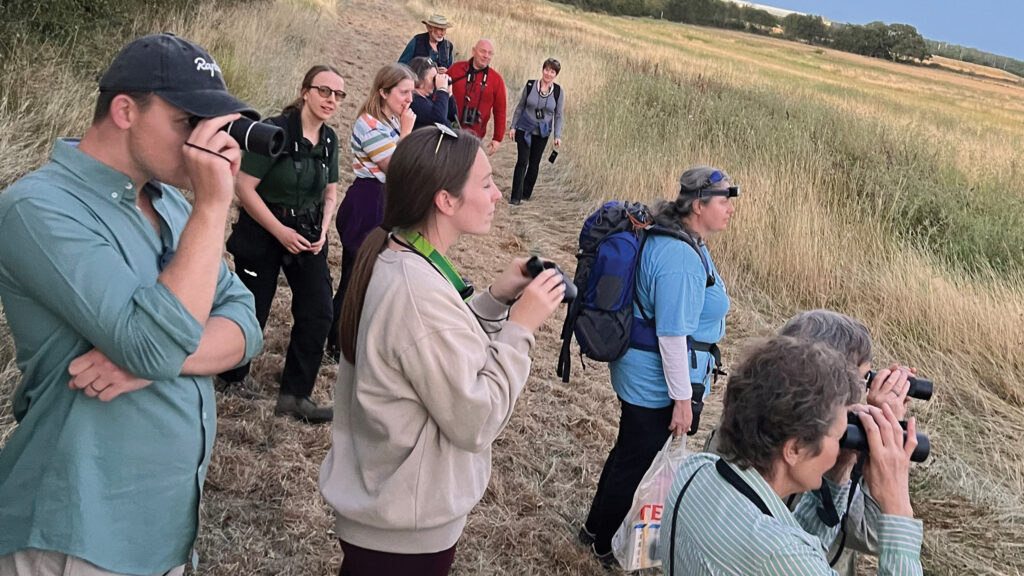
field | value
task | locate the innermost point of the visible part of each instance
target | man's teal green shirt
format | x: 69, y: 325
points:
x: 115, y: 483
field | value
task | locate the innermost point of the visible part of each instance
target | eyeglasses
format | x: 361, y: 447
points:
x: 326, y: 91
x: 445, y: 130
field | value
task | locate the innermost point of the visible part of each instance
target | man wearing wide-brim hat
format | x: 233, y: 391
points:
x: 431, y: 44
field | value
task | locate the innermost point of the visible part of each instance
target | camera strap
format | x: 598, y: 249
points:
x: 415, y: 242
x: 469, y: 81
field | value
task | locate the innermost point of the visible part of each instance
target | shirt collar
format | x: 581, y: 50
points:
x: 97, y: 177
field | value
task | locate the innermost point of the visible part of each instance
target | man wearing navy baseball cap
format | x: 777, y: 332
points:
x: 121, y: 308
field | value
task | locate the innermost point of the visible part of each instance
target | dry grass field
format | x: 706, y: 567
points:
x: 892, y: 193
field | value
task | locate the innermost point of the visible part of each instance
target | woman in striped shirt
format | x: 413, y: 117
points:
x: 384, y: 118
x: 784, y: 412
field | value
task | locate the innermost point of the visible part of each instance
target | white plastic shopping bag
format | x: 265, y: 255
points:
x: 635, y: 543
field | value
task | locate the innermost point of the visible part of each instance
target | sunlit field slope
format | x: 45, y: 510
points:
x: 889, y: 192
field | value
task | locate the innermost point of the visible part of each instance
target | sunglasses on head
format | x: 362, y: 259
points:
x: 445, y: 131
x: 714, y: 178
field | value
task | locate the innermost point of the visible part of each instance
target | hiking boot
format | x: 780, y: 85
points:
x: 303, y: 409
x: 585, y: 537
x: 248, y: 388
x: 606, y: 560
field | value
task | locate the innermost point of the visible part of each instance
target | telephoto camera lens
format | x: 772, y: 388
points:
x: 920, y: 388
x: 856, y: 438
x: 256, y: 137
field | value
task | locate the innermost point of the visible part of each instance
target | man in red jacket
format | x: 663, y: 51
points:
x: 478, y: 90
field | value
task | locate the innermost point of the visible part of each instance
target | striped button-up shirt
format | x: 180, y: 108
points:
x: 719, y: 531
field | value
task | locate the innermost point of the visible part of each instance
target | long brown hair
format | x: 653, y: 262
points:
x: 307, y: 83
x: 386, y: 79
x: 416, y: 174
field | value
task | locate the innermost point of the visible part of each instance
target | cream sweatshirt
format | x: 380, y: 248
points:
x: 415, y: 417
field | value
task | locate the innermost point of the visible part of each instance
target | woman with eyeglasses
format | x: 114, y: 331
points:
x: 431, y: 368
x: 384, y: 118
x: 431, y: 101
x: 538, y: 116
x: 286, y: 204
x: 678, y: 318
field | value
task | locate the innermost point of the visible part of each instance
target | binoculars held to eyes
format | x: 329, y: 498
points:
x: 535, y: 266
x: 920, y: 388
x: 856, y: 438
x: 256, y: 137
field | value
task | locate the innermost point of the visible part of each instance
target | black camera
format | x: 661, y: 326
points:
x: 470, y: 116
x: 309, y: 230
x: 256, y: 137
x: 856, y: 438
x: 535, y: 266
x: 920, y: 388
x: 539, y: 113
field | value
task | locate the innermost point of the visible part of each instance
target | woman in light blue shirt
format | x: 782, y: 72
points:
x: 679, y: 316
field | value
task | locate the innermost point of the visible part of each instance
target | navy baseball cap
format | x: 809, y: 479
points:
x: 179, y: 71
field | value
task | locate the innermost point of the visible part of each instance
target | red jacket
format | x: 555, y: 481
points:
x: 493, y: 98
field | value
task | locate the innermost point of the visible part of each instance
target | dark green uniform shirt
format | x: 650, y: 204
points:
x: 280, y: 182
x: 116, y: 483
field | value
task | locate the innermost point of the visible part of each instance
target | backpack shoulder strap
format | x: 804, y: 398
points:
x: 558, y: 91
x: 682, y: 235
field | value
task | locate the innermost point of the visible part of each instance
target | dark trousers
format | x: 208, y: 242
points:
x: 642, y: 433
x: 348, y: 261
x: 362, y: 562
x: 310, y: 281
x: 527, y: 165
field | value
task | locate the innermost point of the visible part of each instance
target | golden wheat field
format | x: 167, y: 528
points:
x: 888, y: 192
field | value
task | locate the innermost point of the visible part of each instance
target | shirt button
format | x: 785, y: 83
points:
x: 204, y: 415
x: 128, y: 186
x: 113, y: 194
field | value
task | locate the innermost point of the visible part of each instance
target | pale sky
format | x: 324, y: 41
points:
x: 989, y: 25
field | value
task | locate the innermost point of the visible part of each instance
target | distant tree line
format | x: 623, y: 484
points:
x: 896, y: 42
x: 975, y: 56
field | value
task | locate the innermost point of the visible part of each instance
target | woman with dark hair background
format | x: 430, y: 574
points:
x: 538, y: 116
x: 432, y: 99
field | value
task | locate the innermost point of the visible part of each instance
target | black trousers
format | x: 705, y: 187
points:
x: 348, y: 261
x: 310, y: 280
x: 642, y: 433
x: 527, y: 165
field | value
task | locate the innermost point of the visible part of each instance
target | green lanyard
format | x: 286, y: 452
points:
x: 423, y: 247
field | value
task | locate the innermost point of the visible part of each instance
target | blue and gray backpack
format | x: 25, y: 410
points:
x: 601, y: 317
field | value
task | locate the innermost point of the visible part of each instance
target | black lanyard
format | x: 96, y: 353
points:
x: 730, y: 476
x: 469, y: 81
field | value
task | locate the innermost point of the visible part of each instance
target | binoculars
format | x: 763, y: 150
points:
x: 535, y: 266
x: 920, y: 388
x: 856, y: 438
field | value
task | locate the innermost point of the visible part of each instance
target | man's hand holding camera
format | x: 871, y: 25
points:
x: 212, y: 159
